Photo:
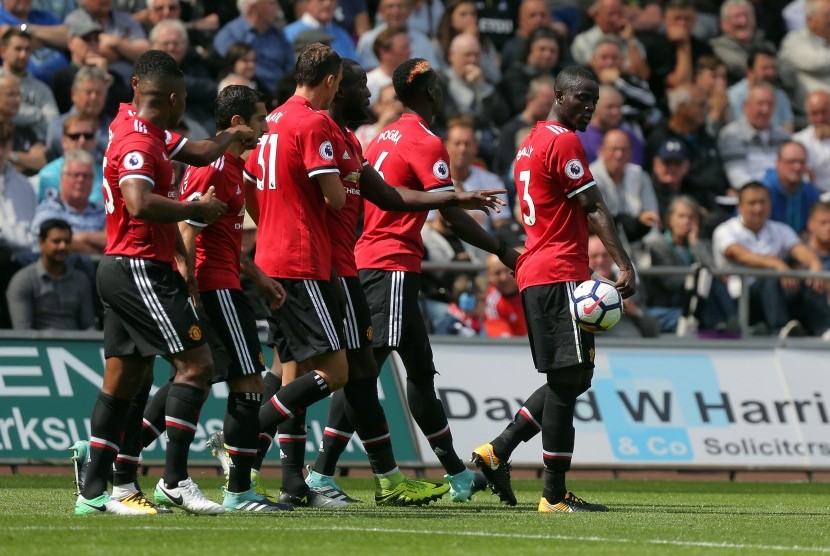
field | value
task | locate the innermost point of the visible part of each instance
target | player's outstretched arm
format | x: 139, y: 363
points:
x: 464, y: 226
x: 143, y: 204
x: 601, y: 223
x: 202, y: 153
x: 375, y: 189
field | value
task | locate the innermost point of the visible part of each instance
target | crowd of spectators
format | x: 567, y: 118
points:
x: 710, y: 141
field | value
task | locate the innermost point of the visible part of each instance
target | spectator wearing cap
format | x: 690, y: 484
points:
x: 79, y: 132
x: 319, y: 15
x: 37, y: 104
x: 625, y: 187
x: 668, y: 170
x: 608, y: 115
x: 816, y: 138
x: 257, y: 26
x: 762, y: 66
x: 791, y: 197
x: 84, y: 51
x: 749, y: 145
x: 391, y: 49
x: 46, y: 30
x: 688, y: 109
x: 395, y: 13
x: 49, y: 294
x: 122, y: 40
x: 72, y: 205
x: 28, y: 153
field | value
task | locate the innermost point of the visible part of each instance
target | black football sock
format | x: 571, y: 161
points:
x: 558, y: 438
x: 184, y: 402
x: 241, y: 431
x: 292, y: 398
x: 106, y: 428
x: 525, y: 425
x: 292, y: 438
x: 336, y: 436
x: 153, y: 424
x: 364, y: 410
x: 428, y: 412
x: 125, y: 470
x: 265, y: 440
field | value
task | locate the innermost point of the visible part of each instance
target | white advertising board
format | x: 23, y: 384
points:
x: 667, y: 407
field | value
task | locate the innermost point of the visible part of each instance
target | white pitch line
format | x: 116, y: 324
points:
x: 484, y: 534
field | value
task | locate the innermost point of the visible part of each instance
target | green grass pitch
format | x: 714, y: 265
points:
x: 647, y: 517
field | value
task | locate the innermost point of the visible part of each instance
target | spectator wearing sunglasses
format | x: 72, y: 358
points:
x: 79, y: 132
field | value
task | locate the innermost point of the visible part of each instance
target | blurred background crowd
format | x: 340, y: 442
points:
x: 710, y: 141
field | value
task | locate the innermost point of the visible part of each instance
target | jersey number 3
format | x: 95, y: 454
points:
x: 529, y: 216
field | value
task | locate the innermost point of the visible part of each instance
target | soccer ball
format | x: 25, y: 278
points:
x: 596, y: 306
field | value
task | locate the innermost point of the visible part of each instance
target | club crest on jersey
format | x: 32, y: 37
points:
x: 574, y: 169
x: 326, y: 150
x: 441, y: 170
x: 133, y: 160
x: 195, y: 333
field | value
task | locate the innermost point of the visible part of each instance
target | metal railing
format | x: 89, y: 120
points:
x: 742, y: 273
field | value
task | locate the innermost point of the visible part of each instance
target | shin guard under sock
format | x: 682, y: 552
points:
x: 184, y: 402
x: 106, y: 428
x: 336, y: 436
x: 241, y: 429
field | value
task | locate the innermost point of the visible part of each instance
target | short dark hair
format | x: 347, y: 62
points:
x: 157, y: 65
x: 572, y: 77
x: 462, y: 120
x: 708, y: 63
x: 751, y: 186
x: 15, y: 31
x: 538, y: 34
x: 314, y: 63
x: 412, y: 78
x: 235, y: 100
x: 819, y: 206
x: 760, y: 50
x: 52, y: 224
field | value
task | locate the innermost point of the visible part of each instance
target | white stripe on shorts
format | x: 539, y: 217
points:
x: 350, y: 319
x: 396, y: 307
x: 154, y: 306
x: 577, y: 336
x: 313, y: 290
x: 235, y: 328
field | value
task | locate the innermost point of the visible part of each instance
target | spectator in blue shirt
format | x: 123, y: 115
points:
x: 46, y: 29
x: 791, y: 196
x: 86, y: 219
x: 319, y: 15
x: 256, y: 26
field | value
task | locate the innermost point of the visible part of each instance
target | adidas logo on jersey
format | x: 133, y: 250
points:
x: 139, y: 127
x: 346, y: 155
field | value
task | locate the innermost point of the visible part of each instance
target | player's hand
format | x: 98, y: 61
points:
x: 484, y: 200
x: 209, y: 208
x: 649, y: 218
x: 244, y: 135
x: 272, y: 290
x: 625, y: 283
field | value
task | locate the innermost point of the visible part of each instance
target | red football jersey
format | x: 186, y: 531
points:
x: 504, y: 316
x: 407, y: 154
x: 293, y: 239
x: 342, y: 223
x: 219, y: 244
x: 550, y: 171
x: 137, y: 150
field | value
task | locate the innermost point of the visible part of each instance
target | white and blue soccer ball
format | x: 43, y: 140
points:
x: 596, y: 306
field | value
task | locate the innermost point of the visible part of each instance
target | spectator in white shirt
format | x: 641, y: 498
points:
x: 816, y: 138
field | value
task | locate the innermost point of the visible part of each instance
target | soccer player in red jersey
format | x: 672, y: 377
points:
x: 358, y: 402
x: 389, y: 253
x: 294, y: 246
x: 147, y: 308
x: 560, y: 202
